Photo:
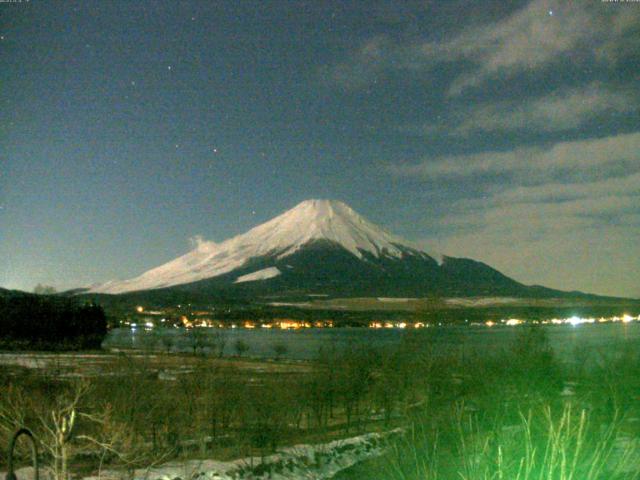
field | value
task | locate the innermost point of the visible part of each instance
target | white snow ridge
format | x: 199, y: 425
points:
x: 310, y: 220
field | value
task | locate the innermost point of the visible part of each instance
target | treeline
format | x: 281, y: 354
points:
x: 46, y: 322
x: 233, y: 311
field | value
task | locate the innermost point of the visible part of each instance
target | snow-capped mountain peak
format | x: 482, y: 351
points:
x: 309, y: 221
x: 321, y: 220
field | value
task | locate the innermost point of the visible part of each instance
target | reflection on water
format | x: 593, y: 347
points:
x: 307, y: 343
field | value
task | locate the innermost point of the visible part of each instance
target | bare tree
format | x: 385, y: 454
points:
x: 218, y: 343
x: 167, y: 339
x: 240, y: 347
x: 57, y: 429
x: 279, y: 349
x: 197, y: 338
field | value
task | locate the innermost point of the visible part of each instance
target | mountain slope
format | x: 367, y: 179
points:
x: 323, y: 267
x: 320, y: 247
x: 311, y: 220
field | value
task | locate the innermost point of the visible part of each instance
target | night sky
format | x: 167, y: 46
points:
x: 504, y: 131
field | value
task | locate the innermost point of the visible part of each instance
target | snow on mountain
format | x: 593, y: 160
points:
x: 264, y: 274
x: 480, y: 301
x: 308, y: 221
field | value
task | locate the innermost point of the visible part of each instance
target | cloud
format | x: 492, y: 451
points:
x: 561, y: 111
x: 365, y: 66
x: 565, y: 110
x: 198, y: 242
x: 579, y: 157
x: 568, y: 236
x: 534, y: 37
x: 534, y: 219
x: 567, y: 232
x: 567, y: 256
x: 554, y: 191
x: 529, y: 39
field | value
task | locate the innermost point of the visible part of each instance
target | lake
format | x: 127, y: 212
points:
x: 305, y: 344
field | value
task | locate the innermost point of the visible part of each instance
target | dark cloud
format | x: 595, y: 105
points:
x: 539, y: 35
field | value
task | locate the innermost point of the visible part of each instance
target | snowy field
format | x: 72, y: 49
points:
x: 318, y: 461
x: 304, y: 461
x: 166, y: 367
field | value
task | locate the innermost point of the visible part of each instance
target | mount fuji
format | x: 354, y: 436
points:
x: 321, y: 247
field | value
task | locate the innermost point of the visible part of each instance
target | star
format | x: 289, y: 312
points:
x: 169, y: 67
x: 133, y: 83
x: 215, y: 150
x: 550, y: 13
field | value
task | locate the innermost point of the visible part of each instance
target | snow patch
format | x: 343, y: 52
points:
x: 263, y: 274
x: 480, y: 301
x: 320, y: 461
x: 394, y: 299
x: 289, y: 304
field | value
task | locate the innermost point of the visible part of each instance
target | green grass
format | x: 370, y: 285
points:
x: 543, y: 444
x: 519, y: 414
